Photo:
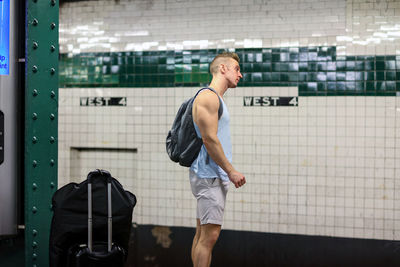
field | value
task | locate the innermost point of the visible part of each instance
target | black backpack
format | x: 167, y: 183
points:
x: 183, y: 144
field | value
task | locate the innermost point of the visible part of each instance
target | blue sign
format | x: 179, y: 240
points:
x: 4, y: 37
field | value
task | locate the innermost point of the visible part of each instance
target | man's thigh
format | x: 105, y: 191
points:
x: 211, y: 195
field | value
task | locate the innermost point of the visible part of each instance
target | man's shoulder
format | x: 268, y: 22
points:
x: 208, y: 100
x: 207, y: 95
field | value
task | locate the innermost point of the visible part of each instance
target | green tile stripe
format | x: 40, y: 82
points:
x: 317, y: 71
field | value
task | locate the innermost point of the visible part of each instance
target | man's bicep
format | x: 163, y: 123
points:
x: 207, y: 116
x: 207, y: 120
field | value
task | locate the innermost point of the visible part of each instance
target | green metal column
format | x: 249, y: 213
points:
x: 41, y: 130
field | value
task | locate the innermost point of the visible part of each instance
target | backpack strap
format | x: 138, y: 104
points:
x: 221, y: 107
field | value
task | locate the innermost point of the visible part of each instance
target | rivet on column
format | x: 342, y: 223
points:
x: 34, y: 244
x: 34, y: 139
x: 35, y: 45
x: 34, y: 186
x: 53, y: 94
x: 52, y: 139
x: 35, y: 92
x: 35, y: 69
x: 34, y: 116
x: 34, y: 209
x: 52, y: 185
x: 52, y: 48
x: 34, y: 232
x: 34, y: 163
x: 52, y: 162
x: 53, y: 26
x: 52, y: 71
x: 52, y: 116
x: 35, y: 22
x: 53, y: 2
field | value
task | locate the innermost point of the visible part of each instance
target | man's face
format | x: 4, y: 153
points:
x: 232, y: 73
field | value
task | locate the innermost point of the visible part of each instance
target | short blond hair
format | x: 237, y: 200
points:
x: 220, y: 58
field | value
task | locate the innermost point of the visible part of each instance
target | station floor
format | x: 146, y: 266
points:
x: 12, y: 252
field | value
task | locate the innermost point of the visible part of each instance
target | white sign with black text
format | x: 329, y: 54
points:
x: 270, y: 101
x: 103, y: 101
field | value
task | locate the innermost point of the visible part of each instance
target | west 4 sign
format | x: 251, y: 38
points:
x: 270, y: 101
x: 103, y: 101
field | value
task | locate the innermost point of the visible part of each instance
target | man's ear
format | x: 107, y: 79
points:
x: 223, y: 68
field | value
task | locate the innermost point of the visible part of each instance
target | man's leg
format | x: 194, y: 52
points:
x: 196, y: 239
x: 209, y: 234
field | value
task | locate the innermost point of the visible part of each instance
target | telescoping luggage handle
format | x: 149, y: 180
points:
x: 90, y: 211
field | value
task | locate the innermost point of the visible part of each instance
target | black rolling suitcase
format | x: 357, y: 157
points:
x: 95, y: 254
x: 75, y: 221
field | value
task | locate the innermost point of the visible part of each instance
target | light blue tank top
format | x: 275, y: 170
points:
x: 204, y: 166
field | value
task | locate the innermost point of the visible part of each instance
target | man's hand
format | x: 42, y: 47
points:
x: 237, y: 178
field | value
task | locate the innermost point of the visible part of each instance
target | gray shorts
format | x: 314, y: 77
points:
x: 210, y: 194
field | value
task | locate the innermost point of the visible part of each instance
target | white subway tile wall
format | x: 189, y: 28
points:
x: 330, y: 166
x: 357, y: 27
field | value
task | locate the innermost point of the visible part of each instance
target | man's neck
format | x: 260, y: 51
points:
x: 219, y: 86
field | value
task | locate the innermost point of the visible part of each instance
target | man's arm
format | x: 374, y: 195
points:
x: 205, y: 115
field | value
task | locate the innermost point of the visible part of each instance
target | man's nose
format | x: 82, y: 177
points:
x: 240, y: 75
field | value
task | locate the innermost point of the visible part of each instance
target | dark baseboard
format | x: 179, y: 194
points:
x: 164, y: 246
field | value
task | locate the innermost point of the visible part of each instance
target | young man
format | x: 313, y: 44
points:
x: 211, y: 171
